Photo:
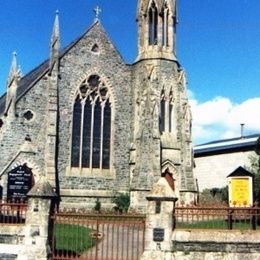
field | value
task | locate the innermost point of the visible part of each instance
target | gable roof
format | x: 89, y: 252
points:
x: 240, y: 172
x: 31, y: 78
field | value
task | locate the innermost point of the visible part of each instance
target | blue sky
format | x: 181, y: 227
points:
x: 218, y: 43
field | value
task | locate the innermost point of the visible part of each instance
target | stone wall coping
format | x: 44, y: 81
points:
x: 158, y: 198
x: 224, y: 236
x: 42, y: 189
x: 86, y: 193
x: 12, y: 229
x: 11, y: 249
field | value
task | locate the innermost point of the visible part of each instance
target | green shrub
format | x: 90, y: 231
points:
x: 122, y: 201
x: 97, y: 205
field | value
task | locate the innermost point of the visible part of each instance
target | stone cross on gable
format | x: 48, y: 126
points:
x: 97, y: 12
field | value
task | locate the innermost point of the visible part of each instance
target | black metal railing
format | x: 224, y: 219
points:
x: 13, y: 212
x: 217, y: 218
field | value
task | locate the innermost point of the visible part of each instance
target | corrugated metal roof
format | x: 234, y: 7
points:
x: 246, y: 143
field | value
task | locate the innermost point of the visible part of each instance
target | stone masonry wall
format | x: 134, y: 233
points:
x: 19, y: 127
x: 77, y: 65
x: 214, y: 244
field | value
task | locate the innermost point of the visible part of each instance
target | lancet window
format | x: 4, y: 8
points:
x: 91, y: 126
x: 153, y: 24
x: 165, y: 24
x: 166, y: 112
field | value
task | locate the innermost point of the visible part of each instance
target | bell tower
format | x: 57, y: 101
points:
x: 162, y: 140
x: 157, y: 21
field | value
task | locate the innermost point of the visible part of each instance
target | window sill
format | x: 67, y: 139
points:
x: 86, y: 172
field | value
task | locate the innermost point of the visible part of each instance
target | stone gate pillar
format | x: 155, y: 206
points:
x: 37, y: 226
x: 159, y: 222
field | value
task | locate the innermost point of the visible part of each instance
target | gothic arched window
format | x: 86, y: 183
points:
x: 153, y: 24
x: 166, y: 112
x: 162, y: 112
x: 165, y: 25
x: 91, y: 126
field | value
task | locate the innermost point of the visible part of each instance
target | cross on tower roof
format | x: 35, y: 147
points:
x: 97, y: 11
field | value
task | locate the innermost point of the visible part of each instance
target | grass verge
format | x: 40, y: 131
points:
x: 72, y: 238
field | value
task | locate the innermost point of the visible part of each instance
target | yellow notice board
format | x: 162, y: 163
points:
x: 241, y: 192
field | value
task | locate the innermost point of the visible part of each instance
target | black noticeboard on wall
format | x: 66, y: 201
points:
x: 19, y: 182
x: 158, y: 235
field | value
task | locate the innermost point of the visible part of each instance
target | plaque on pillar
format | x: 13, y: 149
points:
x: 19, y: 182
x: 158, y: 234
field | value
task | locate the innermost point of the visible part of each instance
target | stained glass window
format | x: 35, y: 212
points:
x: 91, y: 126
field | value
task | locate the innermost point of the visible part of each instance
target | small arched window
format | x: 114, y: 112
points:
x: 167, y: 112
x: 162, y: 112
x: 153, y: 24
x: 91, y: 126
x: 165, y: 24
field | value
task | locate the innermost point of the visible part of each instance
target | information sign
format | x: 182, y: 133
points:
x: 19, y: 182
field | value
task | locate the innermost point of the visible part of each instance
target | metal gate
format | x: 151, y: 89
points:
x: 97, y: 237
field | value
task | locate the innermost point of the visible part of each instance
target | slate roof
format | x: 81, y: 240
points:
x: 30, y: 79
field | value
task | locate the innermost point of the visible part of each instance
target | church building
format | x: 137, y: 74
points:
x: 92, y: 125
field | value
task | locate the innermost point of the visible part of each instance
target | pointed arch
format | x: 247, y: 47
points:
x: 167, y: 111
x: 168, y: 166
x: 153, y: 23
x: 162, y: 110
x: 165, y: 24
x: 91, y: 128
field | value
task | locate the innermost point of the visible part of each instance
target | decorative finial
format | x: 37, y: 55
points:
x: 97, y: 12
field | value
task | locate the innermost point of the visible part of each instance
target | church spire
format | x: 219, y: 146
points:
x: 13, y: 69
x: 55, y: 43
x: 12, y: 83
x: 156, y: 29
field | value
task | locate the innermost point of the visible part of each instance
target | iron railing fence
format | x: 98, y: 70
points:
x: 97, y: 236
x: 217, y: 218
x: 13, y: 212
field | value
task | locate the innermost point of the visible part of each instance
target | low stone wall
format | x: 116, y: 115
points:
x: 10, y: 251
x: 11, y: 234
x: 213, y: 256
x: 11, y: 240
x: 216, y: 244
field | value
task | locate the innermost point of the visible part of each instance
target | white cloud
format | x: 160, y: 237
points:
x: 220, y: 118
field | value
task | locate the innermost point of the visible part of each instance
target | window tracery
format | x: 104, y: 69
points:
x: 91, y: 126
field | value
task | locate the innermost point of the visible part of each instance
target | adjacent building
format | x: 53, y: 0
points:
x: 216, y: 160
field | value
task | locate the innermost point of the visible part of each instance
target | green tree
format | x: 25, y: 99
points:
x: 255, y: 169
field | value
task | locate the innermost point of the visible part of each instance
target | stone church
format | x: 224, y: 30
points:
x: 91, y: 125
